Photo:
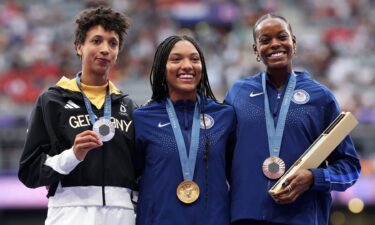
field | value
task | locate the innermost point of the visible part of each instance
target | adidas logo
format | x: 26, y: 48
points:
x: 71, y: 105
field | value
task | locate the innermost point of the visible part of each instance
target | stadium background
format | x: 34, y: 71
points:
x: 335, y: 43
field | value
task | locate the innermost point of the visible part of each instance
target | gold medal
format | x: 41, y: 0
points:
x: 273, y: 167
x: 187, y: 191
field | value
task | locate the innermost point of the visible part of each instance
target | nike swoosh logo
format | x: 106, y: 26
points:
x: 252, y: 94
x: 163, y: 124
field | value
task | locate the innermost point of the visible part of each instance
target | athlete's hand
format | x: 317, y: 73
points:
x: 294, y: 186
x: 84, y: 142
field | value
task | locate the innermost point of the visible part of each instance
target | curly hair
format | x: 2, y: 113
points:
x: 108, y: 18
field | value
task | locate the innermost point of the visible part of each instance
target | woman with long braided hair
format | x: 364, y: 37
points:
x: 182, y: 138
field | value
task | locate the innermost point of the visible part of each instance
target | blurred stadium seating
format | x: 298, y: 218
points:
x: 335, y: 43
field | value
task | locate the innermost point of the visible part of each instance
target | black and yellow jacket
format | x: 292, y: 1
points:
x: 105, y: 176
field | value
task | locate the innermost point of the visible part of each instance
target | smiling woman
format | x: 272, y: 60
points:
x: 274, y: 45
x: 281, y: 112
x: 182, y: 142
x: 184, y: 69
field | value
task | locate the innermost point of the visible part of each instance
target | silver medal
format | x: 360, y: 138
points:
x: 105, y: 129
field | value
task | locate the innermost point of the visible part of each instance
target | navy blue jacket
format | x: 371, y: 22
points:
x: 312, y: 109
x: 160, y: 168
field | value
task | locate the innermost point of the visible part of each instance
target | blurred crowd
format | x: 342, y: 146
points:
x: 334, y: 38
x: 335, y: 42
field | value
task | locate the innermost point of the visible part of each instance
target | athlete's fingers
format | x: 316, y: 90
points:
x: 88, y: 136
x: 84, y: 142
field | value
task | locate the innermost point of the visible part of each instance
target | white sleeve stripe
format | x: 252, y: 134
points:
x: 63, y: 163
x: 73, y: 104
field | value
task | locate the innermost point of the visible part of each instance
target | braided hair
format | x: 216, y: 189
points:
x: 160, y: 88
x: 267, y: 16
x: 158, y: 71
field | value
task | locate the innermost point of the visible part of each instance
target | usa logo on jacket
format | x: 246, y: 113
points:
x: 208, y: 120
x: 300, y: 97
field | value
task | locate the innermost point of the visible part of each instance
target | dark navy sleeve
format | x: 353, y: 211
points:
x: 230, y: 99
x: 229, y: 152
x: 343, y: 167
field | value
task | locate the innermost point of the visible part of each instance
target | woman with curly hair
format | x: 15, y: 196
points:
x: 80, y: 137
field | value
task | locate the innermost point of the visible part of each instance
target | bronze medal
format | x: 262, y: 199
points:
x: 273, y: 167
x: 187, y: 191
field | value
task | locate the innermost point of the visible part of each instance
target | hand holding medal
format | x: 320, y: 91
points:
x: 103, y: 126
x: 84, y: 142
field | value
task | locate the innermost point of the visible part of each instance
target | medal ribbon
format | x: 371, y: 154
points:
x: 275, y: 135
x: 187, y: 162
x: 107, y: 103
